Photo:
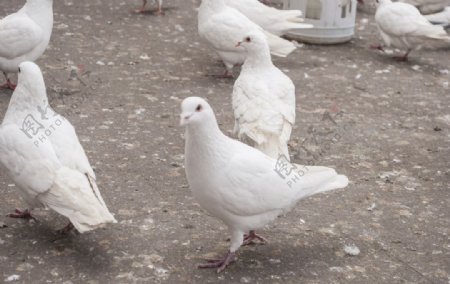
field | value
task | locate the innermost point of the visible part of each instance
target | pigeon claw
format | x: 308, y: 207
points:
x: 251, y: 237
x: 66, y: 229
x: 25, y: 214
x: 220, y: 264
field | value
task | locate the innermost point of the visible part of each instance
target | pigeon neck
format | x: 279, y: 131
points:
x: 258, y: 58
x: 203, y: 134
x: 41, y: 11
x: 27, y: 97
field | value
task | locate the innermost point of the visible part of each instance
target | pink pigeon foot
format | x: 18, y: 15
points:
x: 226, y: 75
x: 66, y: 229
x: 377, y: 46
x: 251, y: 237
x: 220, y: 264
x: 25, y: 214
x: 402, y: 58
x: 8, y: 85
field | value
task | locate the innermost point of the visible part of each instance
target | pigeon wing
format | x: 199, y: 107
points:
x: 18, y: 35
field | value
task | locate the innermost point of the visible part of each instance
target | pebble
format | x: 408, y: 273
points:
x: 351, y: 250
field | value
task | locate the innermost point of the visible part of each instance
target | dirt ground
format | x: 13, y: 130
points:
x: 390, y: 122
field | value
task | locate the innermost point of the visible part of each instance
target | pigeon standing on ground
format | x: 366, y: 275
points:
x: 401, y: 25
x: 263, y: 100
x: 223, y: 26
x: 24, y: 36
x: 42, y: 154
x: 277, y: 22
x: 158, y: 11
x: 240, y: 185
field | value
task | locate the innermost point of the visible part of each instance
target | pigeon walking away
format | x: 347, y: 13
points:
x: 223, y: 26
x: 42, y: 154
x: 275, y: 21
x: 238, y: 184
x: 24, y: 36
x: 401, y: 25
x: 263, y: 100
x: 158, y: 11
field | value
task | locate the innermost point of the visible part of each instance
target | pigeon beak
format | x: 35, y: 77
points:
x: 238, y: 44
x: 184, y: 118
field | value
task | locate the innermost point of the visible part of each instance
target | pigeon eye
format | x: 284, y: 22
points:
x: 248, y: 39
x: 199, y: 108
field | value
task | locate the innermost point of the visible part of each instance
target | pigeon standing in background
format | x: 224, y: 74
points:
x: 277, y: 22
x: 238, y: 184
x: 24, y: 36
x: 223, y: 26
x: 401, y: 25
x: 441, y: 18
x: 158, y: 11
x: 42, y: 154
x: 263, y: 100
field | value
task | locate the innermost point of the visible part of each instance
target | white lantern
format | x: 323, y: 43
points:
x: 333, y: 20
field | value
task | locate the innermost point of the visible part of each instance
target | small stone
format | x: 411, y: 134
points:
x: 351, y: 250
x: 11, y: 278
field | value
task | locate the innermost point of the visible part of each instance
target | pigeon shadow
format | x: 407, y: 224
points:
x: 154, y: 12
x: 35, y: 240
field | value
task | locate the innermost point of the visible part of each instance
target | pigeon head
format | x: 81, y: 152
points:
x: 29, y: 74
x: 253, y: 41
x: 195, y: 110
x: 30, y: 82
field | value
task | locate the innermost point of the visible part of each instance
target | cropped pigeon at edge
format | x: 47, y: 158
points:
x: 43, y: 156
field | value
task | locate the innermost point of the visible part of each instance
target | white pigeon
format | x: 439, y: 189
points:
x: 401, y: 25
x: 42, y: 154
x: 158, y: 11
x: 263, y: 100
x: 223, y: 27
x: 24, y: 35
x: 441, y: 18
x: 240, y: 185
x: 277, y: 22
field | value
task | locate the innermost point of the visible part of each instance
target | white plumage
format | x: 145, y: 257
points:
x: 263, y: 100
x: 24, y: 35
x: 223, y: 27
x: 277, y: 22
x: 401, y: 25
x: 239, y: 184
x: 42, y: 154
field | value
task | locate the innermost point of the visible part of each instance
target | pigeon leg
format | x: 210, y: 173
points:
x: 226, y: 75
x: 25, y: 214
x: 66, y: 229
x: 220, y: 264
x: 377, y: 46
x: 8, y: 84
x: 251, y: 237
x: 142, y: 10
x: 403, y: 57
x: 159, y: 11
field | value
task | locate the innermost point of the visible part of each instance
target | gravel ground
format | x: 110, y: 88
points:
x: 391, y: 120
